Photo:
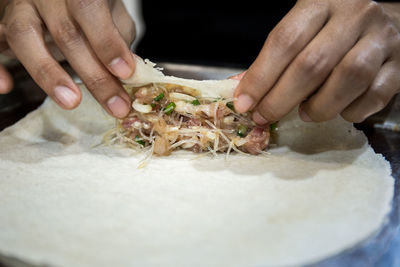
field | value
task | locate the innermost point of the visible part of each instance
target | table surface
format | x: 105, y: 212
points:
x: 27, y: 96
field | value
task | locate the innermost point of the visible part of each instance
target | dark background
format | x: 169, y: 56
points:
x: 222, y: 33
x: 208, y: 32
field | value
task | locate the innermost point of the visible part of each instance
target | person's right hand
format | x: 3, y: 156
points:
x: 93, y: 35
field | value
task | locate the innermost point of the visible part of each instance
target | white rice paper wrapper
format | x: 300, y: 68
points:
x: 65, y: 201
x: 146, y: 72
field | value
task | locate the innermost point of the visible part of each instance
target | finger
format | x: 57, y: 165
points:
x: 25, y: 37
x: 101, y: 83
x: 288, y: 38
x: 351, y: 78
x: 124, y: 23
x: 308, y: 70
x: 94, y: 17
x: 6, y: 81
x: 382, y: 90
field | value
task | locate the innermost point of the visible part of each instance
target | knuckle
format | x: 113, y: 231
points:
x: 358, y: 68
x: 17, y: 28
x: 314, y: 62
x: 338, y: 95
x: 43, y: 74
x: 372, y: 8
x: 84, y: 4
x: 390, y: 32
x: 109, y: 46
x: 107, y: 43
x: 96, y: 82
x: 287, y: 37
x: 66, y: 34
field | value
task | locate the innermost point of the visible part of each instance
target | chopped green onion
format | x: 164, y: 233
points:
x: 230, y: 106
x: 139, y: 140
x: 242, y: 130
x: 169, y: 108
x: 195, y: 102
x: 273, y: 126
x: 159, y: 97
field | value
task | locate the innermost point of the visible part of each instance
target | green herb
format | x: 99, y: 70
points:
x: 159, y: 97
x: 139, y: 140
x: 242, y: 130
x: 169, y: 108
x: 195, y: 102
x: 230, y: 106
x: 273, y: 126
x: 153, y: 105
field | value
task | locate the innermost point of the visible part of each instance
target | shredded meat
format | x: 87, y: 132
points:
x: 145, y: 95
x: 223, y: 111
x: 133, y: 134
x: 129, y: 121
x: 258, y: 139
x: 161, y: 146
x: 134, y: 122
x: 196, y: 148
x: 187, y: 122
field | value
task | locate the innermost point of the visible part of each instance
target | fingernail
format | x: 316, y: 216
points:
x: 304, y: 116
x: 120, y: 68
x: 238, y: 76
x: 257, y: 118
x: 118, y: 107
x: 66, y: 96
x: 243, y: 103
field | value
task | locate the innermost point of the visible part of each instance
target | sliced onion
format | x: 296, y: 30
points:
x: 137, y: 125
x: 179, y: 96
x: 188, y: 144
x: 229, y: 119
x: 184, y: 108
x: 141, y: 108
x: 211, y: 135
x: 172, y: 128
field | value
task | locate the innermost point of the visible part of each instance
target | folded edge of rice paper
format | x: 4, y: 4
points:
x: 292, y: 130
x: 203, y: 116
x: 146, y: 72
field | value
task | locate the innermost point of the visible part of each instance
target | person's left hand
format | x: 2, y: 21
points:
x: 331, y: 57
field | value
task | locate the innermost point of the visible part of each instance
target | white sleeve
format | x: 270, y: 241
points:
x: 134, y: 8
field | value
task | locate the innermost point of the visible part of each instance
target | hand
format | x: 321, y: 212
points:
x: 332, y: 57
x: 93, y: 35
